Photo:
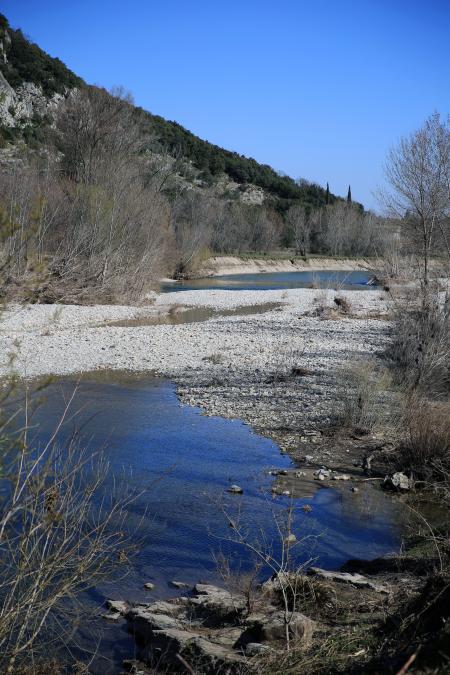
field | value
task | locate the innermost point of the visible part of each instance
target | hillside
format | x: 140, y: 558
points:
x: 32, y: 83
x: 103, y: 198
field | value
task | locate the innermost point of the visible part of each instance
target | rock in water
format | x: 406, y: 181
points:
x: 179, y: 584
x: 235, y: 489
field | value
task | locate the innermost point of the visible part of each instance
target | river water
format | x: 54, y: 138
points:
x: 276, y: 281
x: 182, y: 462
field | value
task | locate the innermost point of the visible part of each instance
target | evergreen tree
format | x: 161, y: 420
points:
x: 349, y: 195
x: 327, y: 195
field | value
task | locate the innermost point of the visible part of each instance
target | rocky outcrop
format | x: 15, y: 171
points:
x: 354, y: 579
x: 19, y: 106
x: 210, y: 629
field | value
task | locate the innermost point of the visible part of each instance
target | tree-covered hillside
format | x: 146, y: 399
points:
x: 214, y: 161
x: 26, y: 62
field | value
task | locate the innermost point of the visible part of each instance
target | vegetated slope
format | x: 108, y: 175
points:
x: 22, y: 114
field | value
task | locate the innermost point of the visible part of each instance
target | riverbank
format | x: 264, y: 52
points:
x: 235, y: 366
x: 222, y: 265
x: 280, y: 370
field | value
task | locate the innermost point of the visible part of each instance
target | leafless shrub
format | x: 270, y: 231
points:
x: 425, y: 446
x: 343, y: 304
x: 240, y: 583
x: 361, y: 389
x: 285, y: 364
x: 419, y: 350
x: 279, y: 557
x: 61, y: 531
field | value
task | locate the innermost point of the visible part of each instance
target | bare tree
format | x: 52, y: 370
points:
x: 192, y: 220
x: 300, y: 227
x: 418, y: 173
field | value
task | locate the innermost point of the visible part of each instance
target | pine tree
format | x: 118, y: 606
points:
x: 349, y: 195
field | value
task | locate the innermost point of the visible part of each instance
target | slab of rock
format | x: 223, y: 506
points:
x: 216, y: 605
x: 216, y: 655
x: 144, y: 622
x: 356, y: 579
x: 179, y: 584
x: 111, y: 616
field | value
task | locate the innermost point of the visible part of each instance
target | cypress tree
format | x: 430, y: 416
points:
x: 327, y: 196
x: 349, y: 195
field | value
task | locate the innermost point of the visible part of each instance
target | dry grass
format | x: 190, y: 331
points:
x: 359, y: 400
x: 419, y: 352
x: 426, y: 441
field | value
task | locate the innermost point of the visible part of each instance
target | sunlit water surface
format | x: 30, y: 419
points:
x: 183, y: 462
x: 275, y: 281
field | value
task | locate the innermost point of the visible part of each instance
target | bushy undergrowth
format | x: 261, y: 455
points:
x: 419, y: 351
x: 359, y: 403
x: 425, y: 446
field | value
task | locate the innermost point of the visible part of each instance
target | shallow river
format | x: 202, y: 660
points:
x: 148, y: 435
x: 275, y: 281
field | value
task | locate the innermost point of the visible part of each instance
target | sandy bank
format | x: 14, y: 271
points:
x: 221, y: 265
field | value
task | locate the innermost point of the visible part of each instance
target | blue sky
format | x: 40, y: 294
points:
x: 318, y: 90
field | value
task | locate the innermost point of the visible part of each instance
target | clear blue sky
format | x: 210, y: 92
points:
x: 315, y: 89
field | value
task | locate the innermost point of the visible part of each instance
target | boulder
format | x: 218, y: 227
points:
x: 274, y: 627
x: 398, y: 481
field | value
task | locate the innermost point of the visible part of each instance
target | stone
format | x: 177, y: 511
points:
x: 235, y: 489
x: 256, y: 648
x: 149, y: 586
x: 343, y: 476
x: 117, y: 606
x: 354, y: 489
x: 322, y: 473
x: 398, y: 481
x: 179, y: 584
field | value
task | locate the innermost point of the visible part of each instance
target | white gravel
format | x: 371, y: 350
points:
x: 60, y: 339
